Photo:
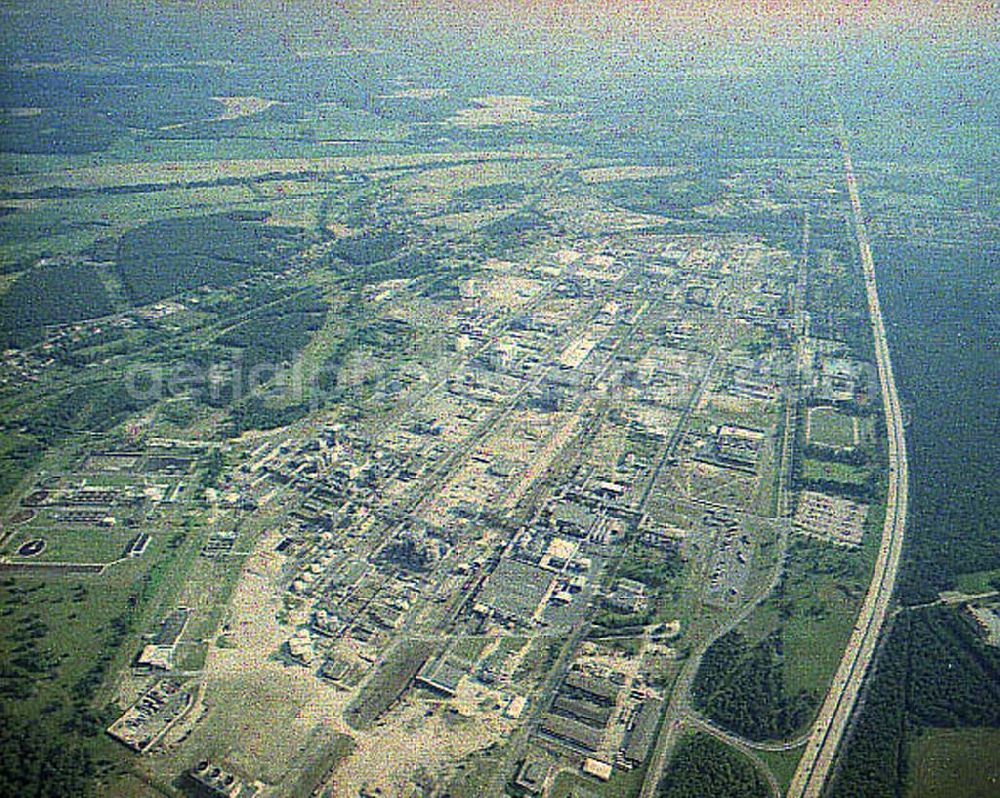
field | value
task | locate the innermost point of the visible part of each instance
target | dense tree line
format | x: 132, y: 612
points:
x: 95, y: 406
x: 703, y: 767
x: 57, y: 293
x: 652, y: 566
x: 505, y: 234
x: 34, y: 764
x: 57, y: 131
x: 742, y: 687
x: 496, y: 192
x: 932, y: 671
x: 368, y: 248
x: 404, y: 266
x: 255, y: 413
x: 274, y: 337
x: 873, y: 763
x: 948, y: 537
x: 20, y: 454
x: 170, y: 256
x: 666, y: 196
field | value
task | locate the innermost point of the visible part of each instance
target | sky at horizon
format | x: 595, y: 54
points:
x: 314, y: 26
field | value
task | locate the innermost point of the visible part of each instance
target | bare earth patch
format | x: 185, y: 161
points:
x: 235, y: 107
x: 504, y: 109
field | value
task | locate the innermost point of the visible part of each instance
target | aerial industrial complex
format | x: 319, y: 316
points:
x: 375, y: 426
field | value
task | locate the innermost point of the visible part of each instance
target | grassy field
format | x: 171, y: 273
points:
x: 61, y: 637
x: 946, y: 763
x: 977, y: 581
x: 815, y: 612
x: 782, y: 764
x: 822, y: 471
x: 71, y: 544
x: 828, y: 427
x: 622, y: 785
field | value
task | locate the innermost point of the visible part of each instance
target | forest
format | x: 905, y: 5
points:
x: 34, y: 764
x: 742, y: 688
x: 368, y: 248
x: 56, y: 293
x: 167, y: 257
x: 702, y: 767
x: 933, y: 670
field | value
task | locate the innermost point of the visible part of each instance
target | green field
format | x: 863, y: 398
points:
x: 469, y: 648
x: 978, y: 581
x: 782, y: 764
x: 824, y: 586
x: 824, y: 471
x: 829, y: 427
x: 60, y: 638
x: 811, y: 614
x: 622, y: 785
x: 72, y: 544
x: 948, y: 763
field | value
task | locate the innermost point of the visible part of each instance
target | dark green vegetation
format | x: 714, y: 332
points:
x: 933, y: 671
x: 395, y: 267
x: 940, y: 300
x: 665, y: 196
x: 743, y: 688
x: 389, y: 682
x: 659, y: 570
x: 52, y: 131
x: 501, y: 236
x: 765, y: 679
x: 276, y: 333
x: 35, y: 764
x: 946, y: 317
x: 164, y: 258
x: 498, y: 192
x: 835, y: 296
x: 59, y: 640
x: 368, y: 248
x: 55, y: 293
x: 702, y: 767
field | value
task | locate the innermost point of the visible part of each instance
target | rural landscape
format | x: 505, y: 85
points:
x: 438, y: 408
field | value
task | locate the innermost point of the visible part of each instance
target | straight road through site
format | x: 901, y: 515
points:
x: 835, y: 713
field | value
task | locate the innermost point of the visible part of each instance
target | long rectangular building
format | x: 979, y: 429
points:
x: 643, y: 732
x: 577, y: 735
x: 603, y: 691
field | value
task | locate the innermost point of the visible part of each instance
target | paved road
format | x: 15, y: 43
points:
x: 679, y: 714
x: 742, y: 742
x: 706, y: 726
x: 835, y: 713
x: 679, y: 709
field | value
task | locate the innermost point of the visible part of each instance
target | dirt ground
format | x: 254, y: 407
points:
x: 266, y: 718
